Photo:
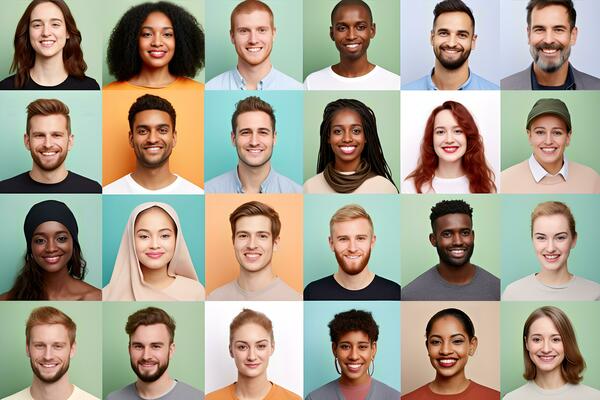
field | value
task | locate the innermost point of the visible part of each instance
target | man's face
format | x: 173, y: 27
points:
x: 152, y: 138
x: 352, y: 242
x: 254, y: 138
x: 150, y: 351
x: 48, y: 141
x: 49, y: 351
x: 253, y: 243
x: 252, y: 36
x: 549, y: 139
x: 454, y: 239
x: 453, y: 39
x: 352, y: 30
x: 550, y: 37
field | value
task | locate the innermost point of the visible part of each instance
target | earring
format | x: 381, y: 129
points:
x: 335, y: 362
x: 372, y: 365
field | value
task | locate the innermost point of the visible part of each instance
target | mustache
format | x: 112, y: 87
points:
x: 551, y: 46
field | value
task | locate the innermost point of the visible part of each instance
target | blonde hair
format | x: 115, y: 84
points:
x: 549, y: 208
x: 50, y: 316
x: 248, y: 316
x: 350, y: 212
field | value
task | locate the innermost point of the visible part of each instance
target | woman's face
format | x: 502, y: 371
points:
x: 449, y: 139
x: 251, y: 347
x: 347, y: 139
x: 47, y: 30
x: 51, y: 246
x: 155, y: 237
x: 552, y: 241
x: 157, y: 41
x: 355, y: 352
x: 545, y: 345
x: 449, y: 346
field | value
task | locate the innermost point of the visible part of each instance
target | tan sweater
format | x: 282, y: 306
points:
x: 376, y: 184
x: 518, y: 179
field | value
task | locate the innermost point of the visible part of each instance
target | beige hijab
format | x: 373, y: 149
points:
x: 127, y: 282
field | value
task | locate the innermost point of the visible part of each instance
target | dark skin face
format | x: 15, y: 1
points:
x: 454, y: 240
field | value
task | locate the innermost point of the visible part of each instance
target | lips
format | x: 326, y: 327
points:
x: 47, y: 43
x: 458, y: 252
x: 51, y: 259
x: 155, y: 254
x: 353, y: 256
x: 153, y: 149
x: 347, y: 149
x: 447, y: 362
x: 253, y: 49
x: 354, y: 367
x: 252, y: 256
x: 352, y: 46
x: 157, y: 53
x: 547, y: 358
x: 450, y: 149
x: 252, y: 365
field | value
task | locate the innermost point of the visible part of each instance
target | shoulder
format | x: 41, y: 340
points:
x: 586, y: 81
x: 314, y: 78
x: 515, y: 290
x: 124, y: 393
x: 8, y: 83
x: 223, y: 393
x: 83, y: 83
x: 119, y: 186
x: 22, y: 395
x: 419, y: 84
x: 519, y: 81
x: 118, y: 85
x: 224, y: 183
x: 583, y: 170
x: 15, y: 184
x: 283, y: 184
x: 325, y: 392
x: 188, y: 289
x: 384, y: 392
x: 408, y: 186
x: 183, y: 82
x: 422, y: 284
x: 582, y: 389
x: 587, y: 286
x: 317, y: 184
x: 383, y: 73
x: 513, y: 177
x: 220, y: 82
x: 89, y: 292
x: 183, y: 389
x: 79, y: 394
x: 281, y: 393
x: 481, y: 83
x: 223, y: 292
x: 183, y: 186
x: 284, y: 82
x: 481, y: 390
x: 385, y: 284
x: 486, y: 275
x: 83, y: 184
x: 418, y: 394
x: 520, y: 393
x: 315, y: 290
x: 377, y: 184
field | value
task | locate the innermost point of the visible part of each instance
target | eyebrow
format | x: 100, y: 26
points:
x: 248, y: 232
x: 51, y: 20
x: 146, y: 126
x: 45, y: 234
x: 160, y: 27
x: 451, y: 336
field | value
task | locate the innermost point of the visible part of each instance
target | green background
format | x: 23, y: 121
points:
x: 385, y: 105
x: 286, y: 55
x: 583, y: 107
x: 513, y: 316
x: 85, y: 207
x: 85, y: 158
x: 187, y: 364
x: 85, y: 370
x: 418, y: 255
x: 320, y: 50
x: 113, y: 10
x: 84, y: 12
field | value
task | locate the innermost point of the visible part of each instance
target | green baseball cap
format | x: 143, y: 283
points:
x: 550, y: 106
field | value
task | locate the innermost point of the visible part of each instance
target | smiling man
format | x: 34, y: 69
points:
x: 351, y: 239
x: 255, y: 228
x: 548, y: 170
x: 252, y: 33
x: 48, y: 139
x: 152, y: 136
x: 454, y: 277
x: 551, y: 32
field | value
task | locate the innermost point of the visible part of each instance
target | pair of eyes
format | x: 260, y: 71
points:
x: 264, y: 133
x: 37, y: 25
x: 260, y: 29
x: 441, y: 132
x: 149, y: 34
x: 243, y: 347
x: 360, y: 27
x: 242, y: 236
x: 460, y: 35
x: 464, y: 233
x: 362, y: 347
x: 41, y: 241
x: 544, y: 237
x: 438, y: 342
x: 542, y: 132
x: 56, y: 135
x: 165, y: 130
x: 346, y: 239
x: 557, y: 29
x: 355, y: 131
x: 40, y: 346
x: 152, y: 346
x: 537, y: 339
x: 163, y: 236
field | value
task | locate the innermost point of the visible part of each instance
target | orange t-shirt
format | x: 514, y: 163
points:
x: 181, y: 83
x: 474, y: 391
x: 276, y: 393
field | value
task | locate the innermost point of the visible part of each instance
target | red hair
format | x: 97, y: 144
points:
x: 480, y: 175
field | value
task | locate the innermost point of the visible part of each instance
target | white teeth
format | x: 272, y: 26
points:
x: 549, y: 149
x: 52, y: 259
x: 549, y: 51
x: 551, y: 257
x: 49, y: 153
x: 353, y: 257
x: 255, y: 151
x: 457, y: 252
x: 447, y: 362
x: 348, y: 149
x: 254, y: 49
x: 352, y: 46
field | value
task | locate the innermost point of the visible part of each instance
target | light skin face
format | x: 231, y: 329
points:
x: 49, y: 351
x: 253, y: 243
x: 254, y: 138
x: 51, y: 246
x: 156, y: 42
x: 449, y: 347
x: 251, y: 347
x: 454, y: 239
x: 354, y: 352
x: 449, y: 139
x: 550, y: 37
x: 549, y: 139
x: 347, y: 140
x: 452, y: 39
x: 152, y: 138
x: 352, y: 242
x: 155, y: 238
x: 252, y: 36
x: 150, y: 351
x: 352, y: 31
x: 545, y: 346
x: 552, y: 241
x: 48, y: 140
x: 47, y: 30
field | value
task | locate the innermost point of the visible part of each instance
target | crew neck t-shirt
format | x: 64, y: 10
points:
x: 71, y: 83
x: 73, y: 183
x: 329, y: 289
x: 531, y: 391
x: 474, y: 391
x: 530, y: 288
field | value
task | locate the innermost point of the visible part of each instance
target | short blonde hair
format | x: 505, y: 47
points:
x: 248, y: 316
x: 350, y: 212
x: 50, y: 316
x: 549, y: 208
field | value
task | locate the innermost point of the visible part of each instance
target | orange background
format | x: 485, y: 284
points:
x: 187, y: 159
x: 221, y: 265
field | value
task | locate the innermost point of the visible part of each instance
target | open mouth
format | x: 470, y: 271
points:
x: 153, y: 149
x: 157, y: 53
x: 252, y: 256
x: 547, y: 359
x: 548, y: 150
x: 347, y: 149
x: 254, y: 151
x: 352, y: 46
x: 49, y: 365
x: 253, y: 49
x: 447, y: 362
x: 47, y: 43
x: 354, y: 367
x: 54, y: 259
x: 458, y: 253
x: 551, y: 258
x: 353, y: 256
x: 450, y: 149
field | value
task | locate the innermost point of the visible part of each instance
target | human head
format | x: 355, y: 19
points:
x: 446, y: 207
x: 47, y: 107
x: 248, y: 316
x: 540, y: 4
x: 155, y: 238
x: 255, y: 208
x: 352, y: 29
x: 150, y: 316
x: 549, y: 208
x: 49, y: 316
x: 452, y: 233
x: 151, y: 102
x: 453, y: 33
x: 573, y: 363
x: 123, y: 57
x: 252, y: 33
x: 250, y: 104
x: 248, y: 6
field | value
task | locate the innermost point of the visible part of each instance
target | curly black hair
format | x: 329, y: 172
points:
x: 446, y: 207
x: 123, y: 57
x: 353, y: 320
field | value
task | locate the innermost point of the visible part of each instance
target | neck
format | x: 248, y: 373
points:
x: 250, y: 388
x: 254, y: 281
x: 549, y: 380
x: 350, y: 166
x: 450, y: 385
x: 552, y: 168
x: 153, y: 390
x: 555, y: 78
x: 353, y: 68
x: 153, y: 178
x: 361, y: 380
x: 354, y: 282
x: 54, y: 176
x: 59, y: 390
x: 557, y: 277
x: 56, y: 284
x: 157, y: 277
x: 154, y: 77
x: 253, y: 74
x: 449, y: 170
x: 449, y: 79
x: 456, y: 275
x: 252, y: 177
x: 49, y: 71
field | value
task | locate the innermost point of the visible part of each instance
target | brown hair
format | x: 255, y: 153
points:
x: 350, y: 212
x: 150, y: 316
x: 549, y: 208
x: 254, y: 208
x: 248, y: 6
x: 47, y: 107
x: 248, y: 316
x: 249, y: 104
x: 573, y: 363
x: 50, y: 316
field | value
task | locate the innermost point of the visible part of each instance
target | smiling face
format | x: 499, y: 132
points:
x: 252, y: 36
x: 347, y: 139
x: 251, y: 347
x: 449, y: 346
x: 452, y: 39
x: 51, y: 246
x: 155, y: 238
x: 49, y: 351
x: 352, y: 30
x: 549, y: 138
x: 352, y: 242
x: 552, y: 241
x: 150, y: 351
x: 354, y: 352
x: 254, y: 243
x: 156, y: 43
x: 449, y: 139
x: 454, y: 239
x: 47, y: 30
x: 545, y: 345
x: 152, y: 138
x: 48, y: 141
x: 254, y: 138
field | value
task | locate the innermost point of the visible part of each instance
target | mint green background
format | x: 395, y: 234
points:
x: 85, y: 369
x: 318, y: 357
x: 417, y: 253
x: 113, y: 10
x: 219, y: 154
x: 85, y: 13
x: 319, y: 260
x: 85, y: 158
x: 386, y: 107
x: 116, y: 211
x: 583, y: 107
x: 320, y: 51
x: 85, y: 207
x: 187, y: 364
x: 286, y: 55
x: 583, y: 316
x: 518, y: 255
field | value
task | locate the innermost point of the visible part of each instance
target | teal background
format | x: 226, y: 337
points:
x: 385, y: 105
x: 221, y: 156
x: 286, y: 55
x: 85, y: 158
x: 513, y: 316
x: 113, y: 10
x: 518, y: 255
x: 319, y: 260
x: 418, y: 255
x: 318, y: 356
x: 85, y: 369
x: 320, y: 51
x: 187, y: 364
x: 583, y: 107
x: 116, y: 211
x: 85, y: 207
x: 84, y: 12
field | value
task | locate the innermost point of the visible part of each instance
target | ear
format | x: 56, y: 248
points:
x: 333, y: 348
x: 274, y: 33
x: 574, y: 33
x: 373, y: 240
x: 474, y: 42
x: 233, y: 138
x: 431, y: 35
x: 568, y: 139
x: 26, y: 141
x: 171, y: 350
x: 374, y: 347
x: 432, y: 240
x: 71, y: 141
x: 130, y: 138
x: 529, y: 136
x: 231, y: 37
x: 27, y: 349
x: 574, y: 242
x: 174, y: 138
x: 274, y: 137
x: 373, y: 30
x: 230, y: 352
x: 276, y: 243
x: 473, y: 345
x: 73, y: 350
x: 330, y: 243
x: 528, y: 33
x: 331, y: 32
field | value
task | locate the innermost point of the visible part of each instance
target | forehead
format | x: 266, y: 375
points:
x: 346, y: 116
x: 543, y: 325
x: 552, y: 15
x: 49, y: 333
x: 447, y: 325
x: 548, y: 121
x: 54, y: 122
x: 254, y: 119
x: 351, y: 13
x: 250, y: 332
x: 150, y: 334
x: 152, y: 117
x: 46, y: 10
x: 358, y: 226
x: 253, y: 223
x: 551, y: 224
x: 157, y: 19
x: 49, y: 228
x: 453, y: 221
x: 252, y: 18
x: 454, y: 21
x: 354, y: 337
x: 445, y: 118
x: 153, y: 217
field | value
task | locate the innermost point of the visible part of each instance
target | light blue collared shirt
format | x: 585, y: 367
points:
x: 539, y: 172
x: 233, y: 80
x: 474, y: 82
x: 229, y: 182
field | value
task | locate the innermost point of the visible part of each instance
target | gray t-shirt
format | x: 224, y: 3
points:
x: 532, y: 289
x: 181, y: 391
x: 431, y: 286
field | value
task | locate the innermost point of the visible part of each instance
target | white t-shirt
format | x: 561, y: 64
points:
x: 126, y: 185
x: 530, y: 288
x: 378, y: 79
x: 77, y: 394
x: 531, y: 391
x: 458, y: 185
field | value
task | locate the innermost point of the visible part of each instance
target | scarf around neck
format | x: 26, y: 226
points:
x: 347, y: 183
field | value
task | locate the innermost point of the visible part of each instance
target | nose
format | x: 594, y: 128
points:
x: 351, y: 33
x: 550, y: 246
x: 48, y: 353
x: 50, y: 246
x: 548, y: 138
x: 449, y: 138
x: 156, y: 39
x: 457, y: 238
x: 252, y: 242
x: 445, y: 348
x: 45, y: 29
x: 146, y: 353
x: 547, y: 348
x: 452, y: 40
x: 352, y: 245
x: 252, y: 36
x: 353, y: 353
x: 347, y: 136
x: 154, y: 242
x: 254, y: 139
x: 153, y: 136
x: 251, y: 353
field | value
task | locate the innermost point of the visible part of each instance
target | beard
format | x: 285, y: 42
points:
x: 443, y: 253
x: 48, y: 166
x: 552, y: 66
x: 350, y: 269
x: 452, y: 64
x: 49, y: 379
x: 151, y: 377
